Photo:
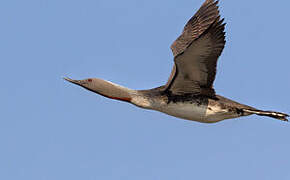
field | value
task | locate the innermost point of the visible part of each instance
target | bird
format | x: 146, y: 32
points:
x: 188, y: 93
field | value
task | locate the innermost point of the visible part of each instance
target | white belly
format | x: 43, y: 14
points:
x: 200, y: 113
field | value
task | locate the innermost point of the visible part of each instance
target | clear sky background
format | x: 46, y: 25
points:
x: 53, y: 130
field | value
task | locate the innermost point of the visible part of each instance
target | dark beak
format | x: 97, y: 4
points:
x: 77, y: 82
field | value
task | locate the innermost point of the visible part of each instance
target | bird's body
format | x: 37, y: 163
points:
x: 202, y: 109
x: 190, y: 107
x: 189, y: 92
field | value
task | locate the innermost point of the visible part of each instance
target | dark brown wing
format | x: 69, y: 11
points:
x: 196, y: 52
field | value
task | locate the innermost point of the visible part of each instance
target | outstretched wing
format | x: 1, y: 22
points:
x: 196, y: 52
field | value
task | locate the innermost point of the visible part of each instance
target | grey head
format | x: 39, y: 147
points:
x: 105, y: 88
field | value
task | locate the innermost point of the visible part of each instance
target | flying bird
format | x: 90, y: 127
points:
x: 189, y: 92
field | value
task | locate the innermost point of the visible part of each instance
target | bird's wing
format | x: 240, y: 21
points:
x: 196, y: 52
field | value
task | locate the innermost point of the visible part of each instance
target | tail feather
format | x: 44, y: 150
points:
x: 273, y: 114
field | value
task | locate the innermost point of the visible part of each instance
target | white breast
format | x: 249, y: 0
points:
x: 194, y: 112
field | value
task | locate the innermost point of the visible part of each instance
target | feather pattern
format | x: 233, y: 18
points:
x: 196, y: 52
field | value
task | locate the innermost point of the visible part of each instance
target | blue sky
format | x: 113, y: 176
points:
x: 50, y: 129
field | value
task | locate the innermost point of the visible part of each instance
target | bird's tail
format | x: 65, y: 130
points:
x: 273, y: 114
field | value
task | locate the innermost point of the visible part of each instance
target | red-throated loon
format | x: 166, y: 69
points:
x: 189, y: 92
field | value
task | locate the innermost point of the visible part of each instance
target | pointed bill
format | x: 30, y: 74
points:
x: 77, y: 82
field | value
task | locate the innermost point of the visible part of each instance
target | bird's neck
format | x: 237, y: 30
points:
x: 112, y: 90
x: 118, y: 92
